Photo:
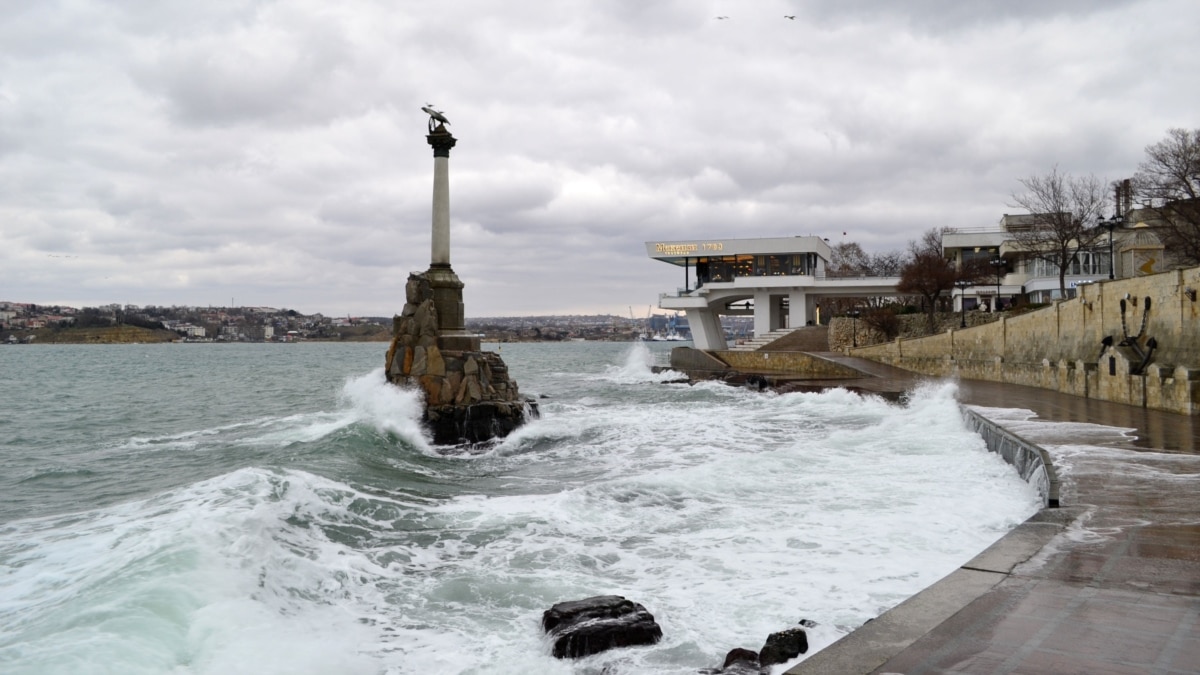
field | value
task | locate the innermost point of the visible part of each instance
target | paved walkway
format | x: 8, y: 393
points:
x: 1108, y: 584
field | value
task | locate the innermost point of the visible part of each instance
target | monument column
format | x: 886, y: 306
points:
x: 442, y: 141
x: 447, y: 288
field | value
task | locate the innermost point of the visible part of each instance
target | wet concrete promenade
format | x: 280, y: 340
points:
x: 1107, y: 584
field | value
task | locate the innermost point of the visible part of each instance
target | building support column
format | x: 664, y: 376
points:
x: 798, y: 309
x: 706, y: 329
x: 763, y: 313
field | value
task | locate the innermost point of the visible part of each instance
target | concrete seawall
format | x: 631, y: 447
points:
x: 873, y: 644
x: 1031, y: 462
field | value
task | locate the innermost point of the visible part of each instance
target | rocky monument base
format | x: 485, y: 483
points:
x: 469, y: 397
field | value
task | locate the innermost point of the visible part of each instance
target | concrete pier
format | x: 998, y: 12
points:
x: 1107, y: 583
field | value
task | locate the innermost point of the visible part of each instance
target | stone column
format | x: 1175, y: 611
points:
x: 447, y: 288
x: 442, y: 141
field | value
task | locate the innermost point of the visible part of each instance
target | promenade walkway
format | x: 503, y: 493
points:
x: 1107, y: 584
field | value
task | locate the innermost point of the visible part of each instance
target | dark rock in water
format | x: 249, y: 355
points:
x: 478, y: 422
x: 739, y: 662
x: 596, y: 624
x: 783, y: 646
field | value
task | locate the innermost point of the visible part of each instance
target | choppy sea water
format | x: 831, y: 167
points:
x: 276, y: 509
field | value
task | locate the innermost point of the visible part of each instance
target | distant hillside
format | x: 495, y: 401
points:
x: 111, y: 335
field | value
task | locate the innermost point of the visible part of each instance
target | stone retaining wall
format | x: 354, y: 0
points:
x: 797, y: 364
x: 1059, y: 347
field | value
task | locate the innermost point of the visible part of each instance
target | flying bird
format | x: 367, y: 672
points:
x: 720, y: 18
x: 434, y: 114
x: 790, y: 16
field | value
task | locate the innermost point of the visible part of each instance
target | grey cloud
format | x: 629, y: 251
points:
x: 946, y: 15
x: 275, y: 151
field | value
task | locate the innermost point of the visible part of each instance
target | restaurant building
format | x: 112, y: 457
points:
x: 780, y: 281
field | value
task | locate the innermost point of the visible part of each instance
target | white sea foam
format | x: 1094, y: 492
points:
x: 389, y: 408
x: 730, y: 514
x: 210, y: 579
x: 366, y: 398
x: 637, y: 368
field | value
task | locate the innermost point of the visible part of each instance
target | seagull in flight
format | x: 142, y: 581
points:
x: 722, y: 18
x: 437, y: 115
x: 790, y: 16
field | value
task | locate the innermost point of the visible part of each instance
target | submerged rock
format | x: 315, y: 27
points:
x: 780, y: 647
x: 596, y: 624
x: 739, y: 661
x: 783, y: 646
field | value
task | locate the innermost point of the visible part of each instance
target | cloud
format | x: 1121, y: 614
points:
x: 274, y: 151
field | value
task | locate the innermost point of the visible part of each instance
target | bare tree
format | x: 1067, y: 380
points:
x: 1063, y: 210
x: 887, y: 264
x: 883, y: 320
x: 848, y: 259
x: 1168, y: 181
x: 927, y: 273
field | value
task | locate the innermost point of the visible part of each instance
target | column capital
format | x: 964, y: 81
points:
x: 441, y: 140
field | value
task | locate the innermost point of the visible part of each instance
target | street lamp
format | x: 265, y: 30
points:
x: 998, y: 265
x: 1110, y: 225
x: 853, y: 314
x: 962, y: 298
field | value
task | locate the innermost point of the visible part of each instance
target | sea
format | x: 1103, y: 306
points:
x: 277, y: 508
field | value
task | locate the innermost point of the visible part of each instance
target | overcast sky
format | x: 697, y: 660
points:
x: 273, y: 153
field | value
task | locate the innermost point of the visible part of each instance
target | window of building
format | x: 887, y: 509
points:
x: 1084, y: 263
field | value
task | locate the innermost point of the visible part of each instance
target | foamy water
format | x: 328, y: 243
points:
x: 336, y: 539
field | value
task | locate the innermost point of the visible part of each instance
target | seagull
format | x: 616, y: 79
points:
x: 720, y: 18
x: 790, y: 16
x: 428, y: 108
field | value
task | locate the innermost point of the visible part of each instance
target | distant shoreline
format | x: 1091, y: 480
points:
x: 138, y: 335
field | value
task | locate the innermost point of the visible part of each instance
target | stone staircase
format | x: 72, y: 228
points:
x: 754, y: 343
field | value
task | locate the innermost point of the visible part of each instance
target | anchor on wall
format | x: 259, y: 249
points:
x: 1134, y: 342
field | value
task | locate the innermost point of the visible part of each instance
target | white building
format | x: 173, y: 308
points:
x: 781, y: 281
x: 1122, y: 252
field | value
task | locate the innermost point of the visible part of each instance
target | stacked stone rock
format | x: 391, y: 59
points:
x: 469, y: 397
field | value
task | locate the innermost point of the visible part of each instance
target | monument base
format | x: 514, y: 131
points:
x: 469, y: 397
x: 459, y: 342
x: 476, y: 423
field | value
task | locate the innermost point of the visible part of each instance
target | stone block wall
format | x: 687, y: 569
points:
x: 792, y: 363
x: 1059, y: 347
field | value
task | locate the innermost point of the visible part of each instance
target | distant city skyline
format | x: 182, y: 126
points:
x: 274, y: 152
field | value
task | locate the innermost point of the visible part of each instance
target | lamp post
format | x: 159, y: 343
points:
x: 853, y: 314
x: 998, y: 265
x: 962, y: 299
x: 1111, y: 224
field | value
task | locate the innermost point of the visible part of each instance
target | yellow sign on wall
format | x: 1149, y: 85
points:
x: 686, y: 249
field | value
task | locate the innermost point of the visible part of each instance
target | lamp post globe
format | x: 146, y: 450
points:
x: 998, y: 265
x: 962, y: 285
x: 1111, y: 225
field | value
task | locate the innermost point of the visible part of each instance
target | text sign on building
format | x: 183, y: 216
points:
x: 690, y: 249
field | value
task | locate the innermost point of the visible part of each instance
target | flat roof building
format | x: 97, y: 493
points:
x: 779, y: 280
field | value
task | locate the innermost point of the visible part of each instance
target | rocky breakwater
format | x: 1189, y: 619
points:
x: 469, y: 397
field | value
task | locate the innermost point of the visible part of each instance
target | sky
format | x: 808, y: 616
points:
x: 273, y: 153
